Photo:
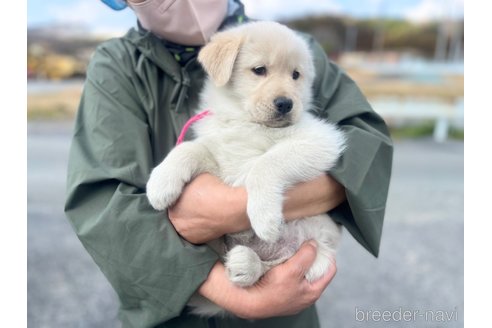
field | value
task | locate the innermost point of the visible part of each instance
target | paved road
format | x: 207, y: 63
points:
x: 418, y: 278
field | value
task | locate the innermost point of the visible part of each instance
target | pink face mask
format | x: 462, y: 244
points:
x: 185, y: 22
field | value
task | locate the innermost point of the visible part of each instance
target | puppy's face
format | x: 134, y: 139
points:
x: 266, y: 67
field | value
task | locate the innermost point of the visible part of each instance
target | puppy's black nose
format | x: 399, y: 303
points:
x: 283, y: 104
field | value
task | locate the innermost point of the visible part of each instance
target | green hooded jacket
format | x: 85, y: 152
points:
x: 136, y: 99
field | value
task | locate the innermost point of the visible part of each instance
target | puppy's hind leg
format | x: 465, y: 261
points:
x: 324, y: 259
x: 244, y: 266
x: 326, y: 233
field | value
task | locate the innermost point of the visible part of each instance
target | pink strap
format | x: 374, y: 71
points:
x: 192, y: 120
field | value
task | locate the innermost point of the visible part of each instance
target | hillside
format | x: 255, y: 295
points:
x: 63, y: 51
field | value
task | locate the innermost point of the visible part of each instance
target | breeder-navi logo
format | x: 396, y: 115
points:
x: 405, y: 315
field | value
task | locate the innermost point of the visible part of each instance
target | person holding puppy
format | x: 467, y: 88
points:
x: 139, y: 92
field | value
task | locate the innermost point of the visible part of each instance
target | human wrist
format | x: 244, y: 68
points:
x: 218, y: 289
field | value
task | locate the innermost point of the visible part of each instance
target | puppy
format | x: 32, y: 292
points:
x: 259, y: 135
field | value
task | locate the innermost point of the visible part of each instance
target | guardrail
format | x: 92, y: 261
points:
x: 443, y: 113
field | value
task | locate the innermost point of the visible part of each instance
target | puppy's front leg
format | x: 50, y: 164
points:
x: 181, y: 165
x: 284, y: 165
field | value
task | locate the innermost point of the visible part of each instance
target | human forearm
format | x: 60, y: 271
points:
x: 305, y: 199
x: 208, y: 208
x: 313, y: 197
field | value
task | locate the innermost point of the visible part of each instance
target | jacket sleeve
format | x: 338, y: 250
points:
x: 365, y: 167
x: 153, y: 270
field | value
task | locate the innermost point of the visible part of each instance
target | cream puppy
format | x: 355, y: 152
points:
x: 260, y: 136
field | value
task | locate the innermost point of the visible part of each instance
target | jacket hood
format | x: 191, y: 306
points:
x: 155, y: 50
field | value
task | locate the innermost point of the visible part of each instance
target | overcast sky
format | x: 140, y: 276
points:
x: 100, y: 18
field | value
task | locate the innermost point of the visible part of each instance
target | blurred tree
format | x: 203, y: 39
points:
x: 428, y: 39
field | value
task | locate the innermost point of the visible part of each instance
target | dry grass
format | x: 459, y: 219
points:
x: 53, y: 105
x: 450, y: 89
x: 63, y: 104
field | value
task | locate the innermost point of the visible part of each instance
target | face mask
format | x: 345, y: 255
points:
x: 185, y: 22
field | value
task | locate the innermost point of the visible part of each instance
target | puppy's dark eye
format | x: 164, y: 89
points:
x: 260, y: 70
x: 295, y: 75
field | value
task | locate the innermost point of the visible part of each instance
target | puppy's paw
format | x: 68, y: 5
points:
x: 268, y: 229
x: 266, y: 221
x: 319, y: 268
x: 243, y: 266
x: 163, y: 191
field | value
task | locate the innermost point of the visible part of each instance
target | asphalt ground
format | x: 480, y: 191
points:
x: 417, y: 281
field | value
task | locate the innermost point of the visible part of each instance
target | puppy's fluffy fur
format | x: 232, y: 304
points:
x: 249, y: 140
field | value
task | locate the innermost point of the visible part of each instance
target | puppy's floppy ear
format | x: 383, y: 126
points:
x: 218, y: 56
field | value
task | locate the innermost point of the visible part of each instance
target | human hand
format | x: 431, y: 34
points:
x: 281, y: 291
x: 284, y: 289
x: 208, y: 209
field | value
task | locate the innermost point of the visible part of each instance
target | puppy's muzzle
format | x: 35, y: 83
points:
x: 283, y: 105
